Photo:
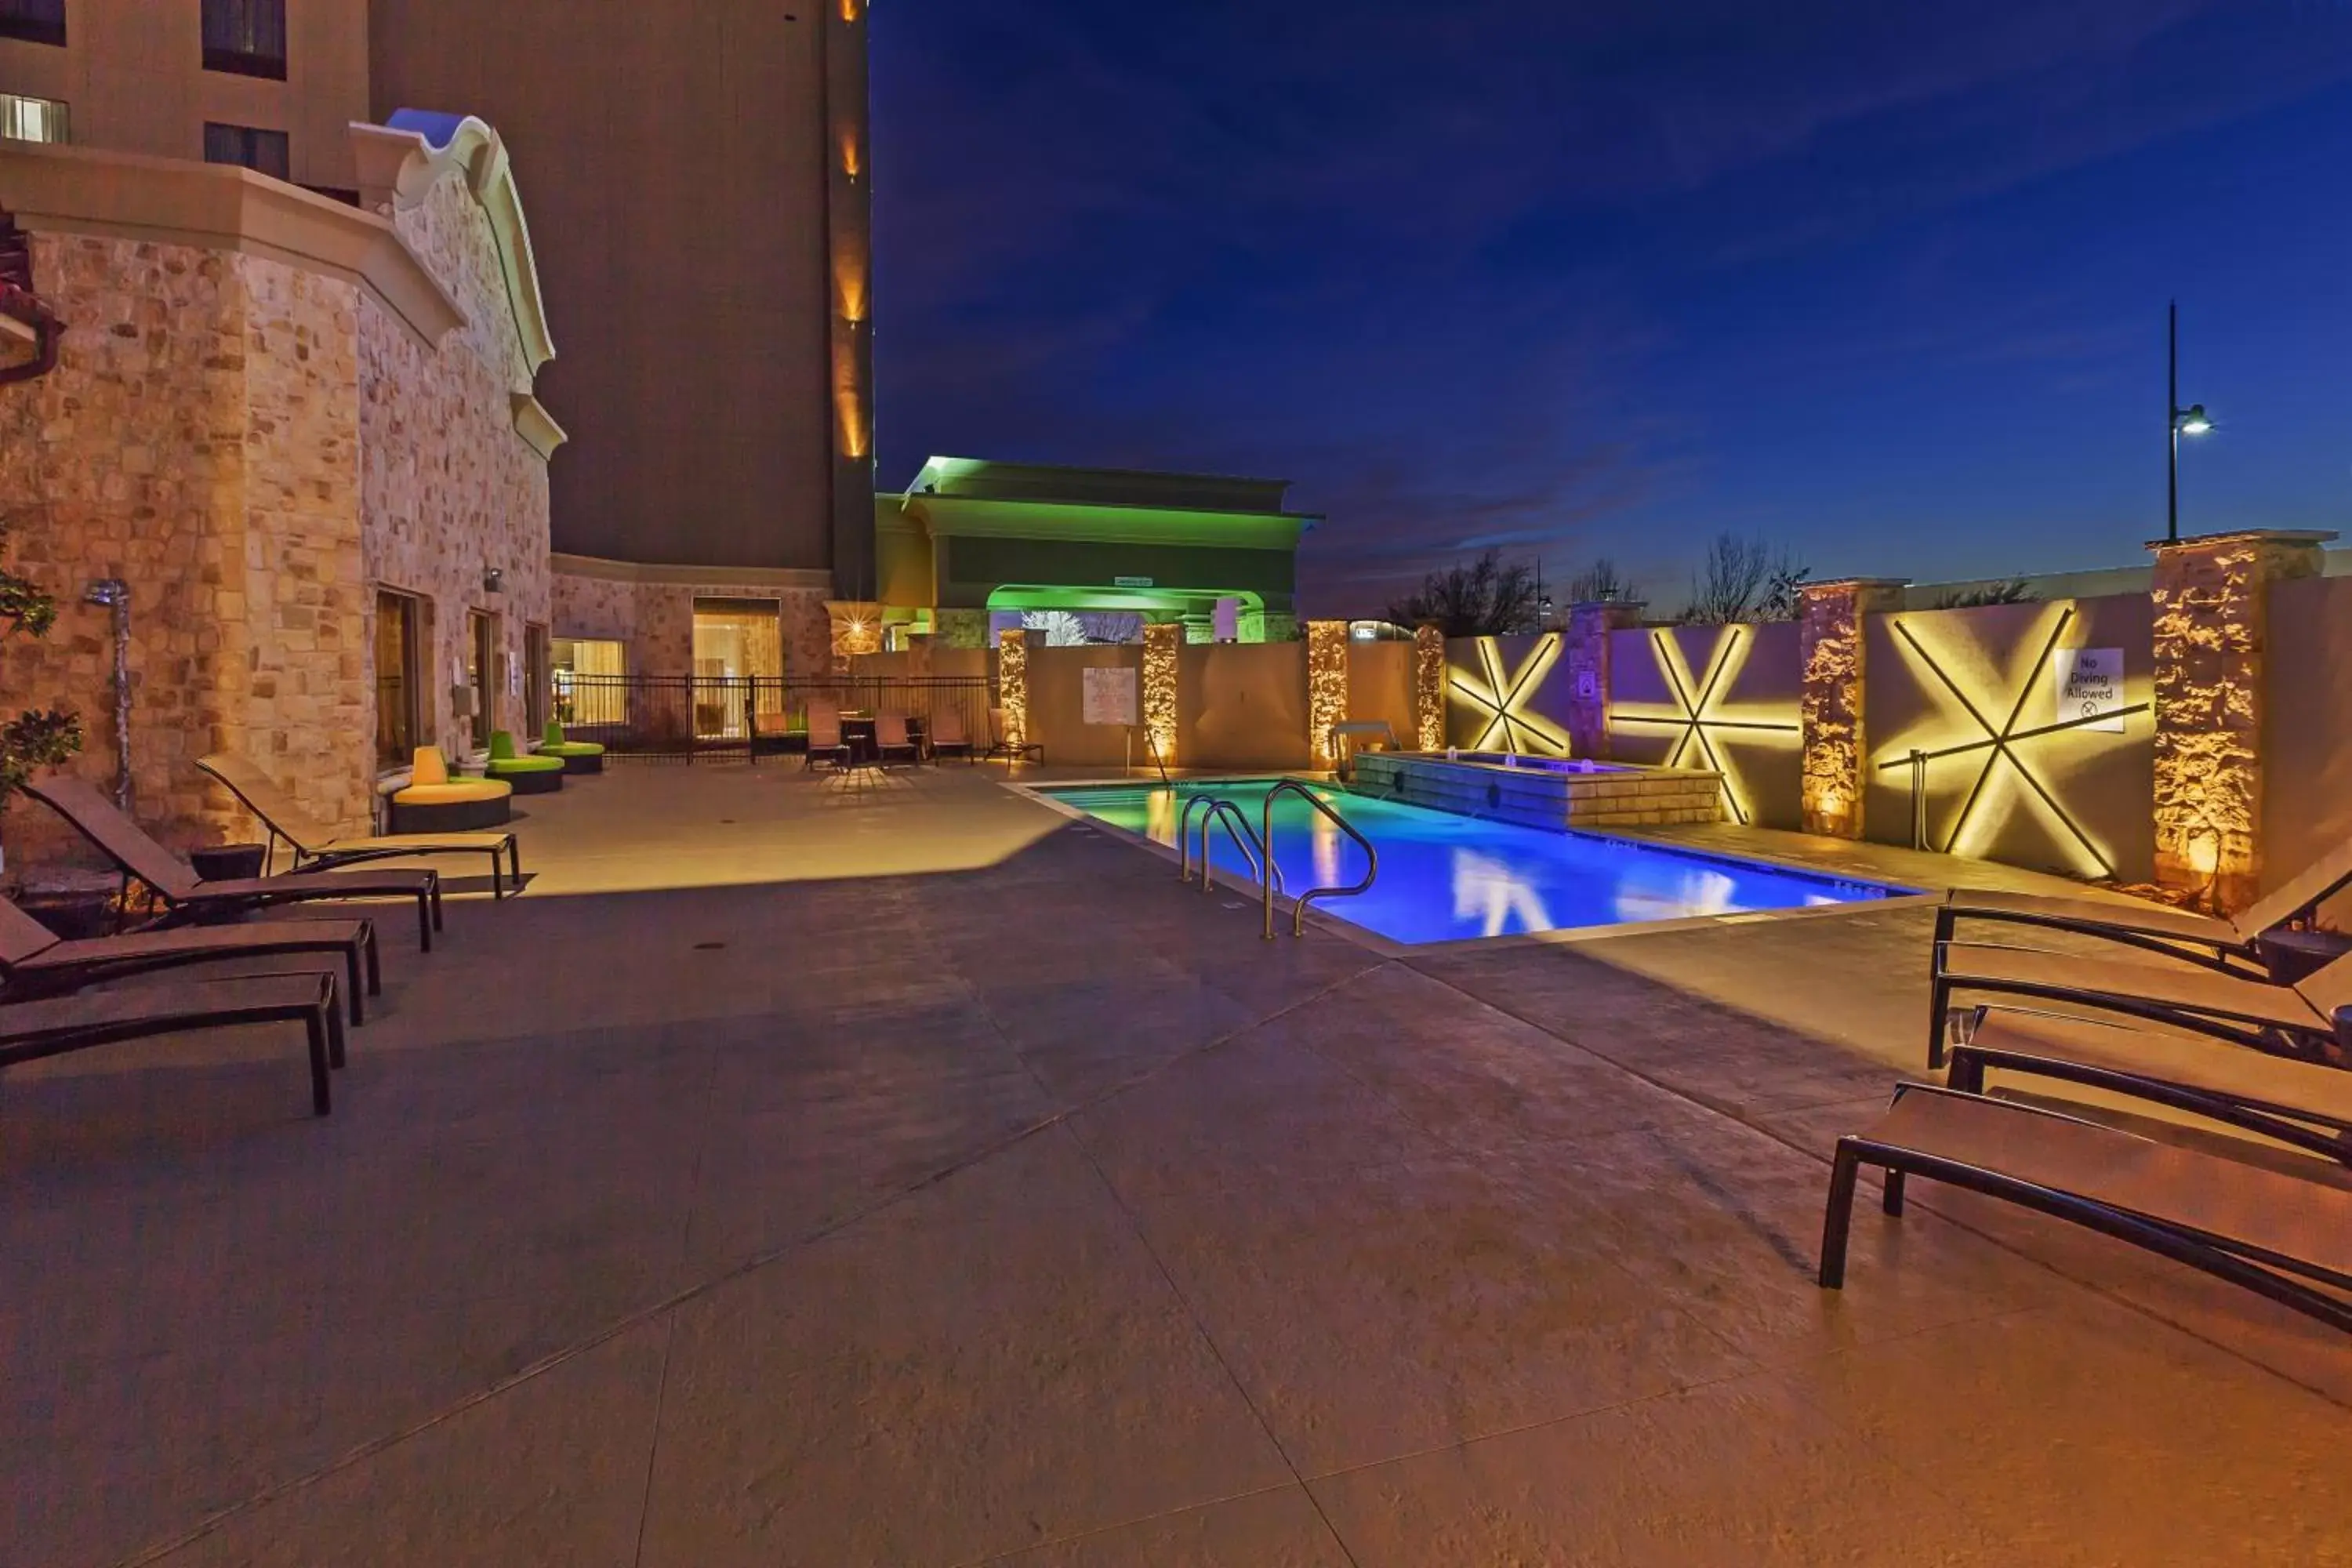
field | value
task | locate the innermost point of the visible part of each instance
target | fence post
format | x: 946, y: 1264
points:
x: 1830, y: 623
x: 1587, y: 651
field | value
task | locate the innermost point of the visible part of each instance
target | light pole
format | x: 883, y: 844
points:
x: 2178, y: 422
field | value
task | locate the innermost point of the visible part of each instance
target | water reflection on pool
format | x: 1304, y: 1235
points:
x: 1444, y: 878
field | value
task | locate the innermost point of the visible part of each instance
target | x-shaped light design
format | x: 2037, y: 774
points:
x: 1503, y: 700
x: 2000, y: 741
x: 1696, y: 702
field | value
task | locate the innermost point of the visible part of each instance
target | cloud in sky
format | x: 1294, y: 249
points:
x: 1501, y: 272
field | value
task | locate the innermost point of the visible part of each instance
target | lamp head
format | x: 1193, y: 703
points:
x: 2193, y: 421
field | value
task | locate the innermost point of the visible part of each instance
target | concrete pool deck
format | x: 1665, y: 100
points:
x: 898, y: 1174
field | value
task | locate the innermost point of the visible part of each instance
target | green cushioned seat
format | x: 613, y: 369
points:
x: 552, y: 744
x: 530, y: 775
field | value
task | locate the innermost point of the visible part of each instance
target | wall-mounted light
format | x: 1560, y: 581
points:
x: 1505, y: 701
x: 1698, y: 712
x: 494, y: 578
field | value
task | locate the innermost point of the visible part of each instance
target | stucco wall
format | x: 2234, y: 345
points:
x: 1242, y: 705
x: 1056, y: 706
x: 1747, y: 683
x: 2307, y: 728
x: 1380, y: 686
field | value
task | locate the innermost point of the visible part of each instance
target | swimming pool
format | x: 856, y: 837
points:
x: 1445, y: 878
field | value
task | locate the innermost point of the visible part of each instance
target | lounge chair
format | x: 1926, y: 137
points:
x: 36, y: 961
x: 434, y: 802
x: 2293, y: 1020
x: 949, y: 737
x: 529, y: 774
x: 577, y: 757
x: 892, y: 741
x: 2222, y: 943
x: 126, y: 844
x: 1000, y: 729
x: 825, y: 736
x: 2297, y: 1103
x: 31, y: 1030
x: 317, y: 848
x: 2276, y: 1235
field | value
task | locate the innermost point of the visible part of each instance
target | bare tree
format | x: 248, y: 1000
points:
x: 1744, y: 579
x: 2011, y: 591
x: 1599, y: 583
x: 1484, y: 598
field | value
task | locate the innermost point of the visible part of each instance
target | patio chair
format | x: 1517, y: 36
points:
x: 434, y: 802
x: 1000, y: 728
x: 825, y: 736
x: 2291, y: 1020
x: 317, y: 848
x: 892, y: 742
x: 949, y: 737
x: 529, y: 774
x: 36, y: 961
x: 2279, y: 1235
x: 31, y: 1030
x: 2223, y: 944
x: 2297, y: 1103
x: 577, y: 757
x: 126, y: 844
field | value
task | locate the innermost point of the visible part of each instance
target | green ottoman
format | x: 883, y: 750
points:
x: 578, y: 756
x: 529, y: 776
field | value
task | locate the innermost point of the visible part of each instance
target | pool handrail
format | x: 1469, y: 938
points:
x: 1184, y: 835
x: 1305, y: 790
x: 1254, y: 849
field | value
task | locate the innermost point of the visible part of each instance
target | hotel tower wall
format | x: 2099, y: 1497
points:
x: 699, y: 189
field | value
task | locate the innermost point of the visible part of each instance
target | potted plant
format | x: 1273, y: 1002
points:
x: 36, y: 738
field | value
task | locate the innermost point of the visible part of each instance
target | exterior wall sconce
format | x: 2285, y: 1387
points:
x: 494, y: 579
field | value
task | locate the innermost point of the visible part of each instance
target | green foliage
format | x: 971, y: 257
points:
x: 38, y: 738
x: 1484, y: 598
x: 2013, y: 592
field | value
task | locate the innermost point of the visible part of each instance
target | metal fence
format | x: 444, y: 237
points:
x: 686, y: 717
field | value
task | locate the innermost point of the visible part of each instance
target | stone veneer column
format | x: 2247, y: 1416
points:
x: 2211, y: 600
x: 1162, y: 658
x: 1327, y: 688
x: 1013, y: 686
x: 1831, y: 644
x: 856, y: 629
x: 1429, y: 688
x: 1587, y: 655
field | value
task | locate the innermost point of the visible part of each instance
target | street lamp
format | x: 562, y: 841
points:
x: 2178, y: 422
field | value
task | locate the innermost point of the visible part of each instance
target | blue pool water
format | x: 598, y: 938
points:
x: 1444, y: 878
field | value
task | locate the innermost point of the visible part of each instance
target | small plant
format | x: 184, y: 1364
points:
x: 2011, y: 591
x: 40, y: 737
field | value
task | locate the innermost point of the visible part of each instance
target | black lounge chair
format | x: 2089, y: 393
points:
x: 31, y: 1030
x: 2297, y: 1020
x: 126, y: 844
x: 2276, y: 1235
x: 2223, y: 944
x: 316, y: 848
x: 36, y: 961
x: 2298, y: 1104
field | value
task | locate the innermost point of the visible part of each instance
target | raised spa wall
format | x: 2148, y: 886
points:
x: 1594, y: 795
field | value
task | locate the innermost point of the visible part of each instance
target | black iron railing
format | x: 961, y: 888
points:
x: 686, y: 717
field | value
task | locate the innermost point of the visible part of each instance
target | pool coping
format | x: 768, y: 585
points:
x: 1389, y: 947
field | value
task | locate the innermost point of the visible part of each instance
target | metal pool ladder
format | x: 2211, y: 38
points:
x: 1256, y: 847
x: 1306, y: 792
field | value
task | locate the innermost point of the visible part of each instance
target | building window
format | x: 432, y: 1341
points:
x: 33, y: 21
x: 482, y: 674
x: 263, y: 151
x: 24, y: 119
x: 396, y: 683
x: 537, y: 678
x: 588, y: 682
x: 247, y: 37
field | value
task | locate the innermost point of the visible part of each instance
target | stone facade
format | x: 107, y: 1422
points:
x: 652, y: 616
x: 1830, y: 635
x: 1587, y: 657
x: 2212, y: 598
x: 252, y: 443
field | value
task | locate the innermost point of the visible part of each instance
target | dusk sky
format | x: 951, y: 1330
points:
x: 1883, y: 283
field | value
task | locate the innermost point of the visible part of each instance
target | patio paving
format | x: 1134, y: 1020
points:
x: 899, y: 1174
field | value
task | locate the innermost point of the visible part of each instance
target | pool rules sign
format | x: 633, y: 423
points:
x: 2090, y: 683
x: 1109, y: 695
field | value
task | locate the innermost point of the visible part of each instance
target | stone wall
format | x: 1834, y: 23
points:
x: 449, y: 488
x: 253, y: 443
x: 655, y: 617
